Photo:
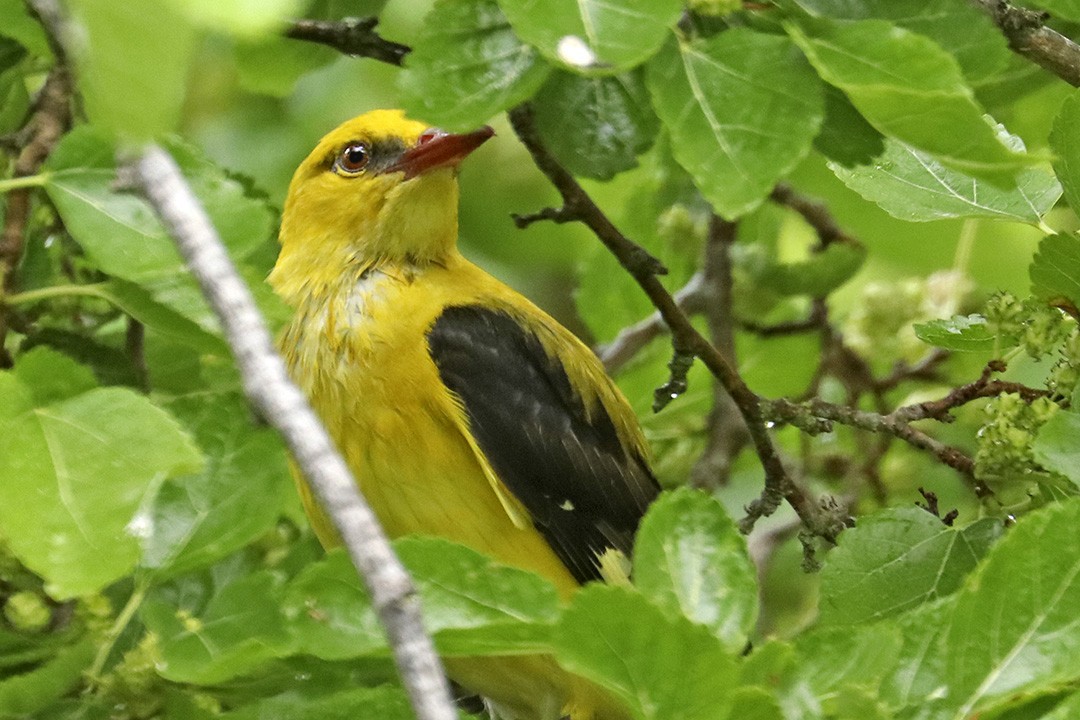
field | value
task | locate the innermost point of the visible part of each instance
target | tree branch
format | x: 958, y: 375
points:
x: 351, y: 36
x: 267, y: 384
x: 644, y: 268
x: 726, y: 431
x: 1028, y: 36
x: 46, y: 127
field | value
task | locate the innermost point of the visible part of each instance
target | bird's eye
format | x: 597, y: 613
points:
x: 353, y: 159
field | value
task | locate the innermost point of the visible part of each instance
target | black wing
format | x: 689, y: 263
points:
x: 585, y: 491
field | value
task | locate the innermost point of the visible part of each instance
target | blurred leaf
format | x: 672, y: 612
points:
x: 1014, y: 630
x: 966, y: 333
x: 1064, y: 9
x: 140, y: 304
x: 473, y: 605
x: 1068, y: 709
x: 14, y: 99
x: 24, y: 695
x: 662, y: 666
x: 960, y: 28
x: 911, y: 185
x: 593, y: 34
x: 381, y: 703
x: 907, y: 87
x: 16, y: 23
x: 1057, y: 445
x: 1055, y: 270
x: 199, y: 519
x: 272, y: 65
x: 595, y: 126
x: 846, y: 138
x: 689, y: 557
x: 818, y: 275
x: 133, y: 76
x: 467, y: 65
x: 897, y: 560
x: 50, y: 376
x: 755, y: 703
x: 329, y: 612
x: 240, y: 629
x: 85, y: 465
x: 241, y: 17
x: 122, y: 236
x: 742, y: 109
x: 1065, y: 142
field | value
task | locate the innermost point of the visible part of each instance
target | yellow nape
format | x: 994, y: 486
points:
x: 370, y: 264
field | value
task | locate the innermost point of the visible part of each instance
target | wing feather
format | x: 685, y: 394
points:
x: 583, y: 487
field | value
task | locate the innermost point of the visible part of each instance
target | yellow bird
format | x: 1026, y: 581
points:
x: 463, y: 409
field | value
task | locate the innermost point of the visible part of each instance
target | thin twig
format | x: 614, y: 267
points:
x: 984, y: 387
x: 691, y: 298
x: 644, y: 268
x: 814, y: 212
x: 817, y: 416
x: 268, y: 386
x: 351, y: 36
x: 1028, y: 36
x: 726, y: 432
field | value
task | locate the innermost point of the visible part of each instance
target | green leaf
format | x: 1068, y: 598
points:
x: 689, y: 557
x: 662, y: 666
x: 1055, y: 270
x: 1065, y: 142
x: 832, y: 659
x: 908, y: 88
x: 199, y: 519
x: 846, y: 138
x: 329, y: 612
x: 123, y: 237
x: 468, y: 65
x: 817, y: 276
x: 897, y: 560
x: 132, y: 76
x: 960, y: 28
x: 16, y: 23
x: 1067, y: 710
x: 51, y: 376
x: 742, y: 109
x: 86, y: 465
x: 912, y: 185
x: 1063, y: 9
x: 920, y: 669
x: 596, y: 126
x: 272, y: 65
x: 593, y: 34
x: 249, y: 18
x: 1057, y: 445
x: 383, y: 703
x: 24, y: 695
x: 1015, y: 630
x: 964, y: 333
x: 240, y: 629
x: 473, y: 605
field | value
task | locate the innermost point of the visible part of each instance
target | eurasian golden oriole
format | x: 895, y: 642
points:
x: 463, y: 409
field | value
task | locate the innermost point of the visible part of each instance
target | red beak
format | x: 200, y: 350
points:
x: 436, y: 149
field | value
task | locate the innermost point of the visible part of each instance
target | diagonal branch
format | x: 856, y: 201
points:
x: 1028, y: 36
x: 351, y: 36
x: 644, y: 268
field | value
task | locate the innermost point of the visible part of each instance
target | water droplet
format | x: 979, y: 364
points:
x: 770, y: 424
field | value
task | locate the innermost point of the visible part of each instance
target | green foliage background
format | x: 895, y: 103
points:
x: 154, y: 562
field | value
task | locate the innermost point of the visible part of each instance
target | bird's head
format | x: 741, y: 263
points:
x: 379, y: 188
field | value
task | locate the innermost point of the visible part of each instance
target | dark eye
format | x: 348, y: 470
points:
x: 353, y: 159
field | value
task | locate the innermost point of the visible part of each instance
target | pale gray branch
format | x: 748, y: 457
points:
x: 268, y: 386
